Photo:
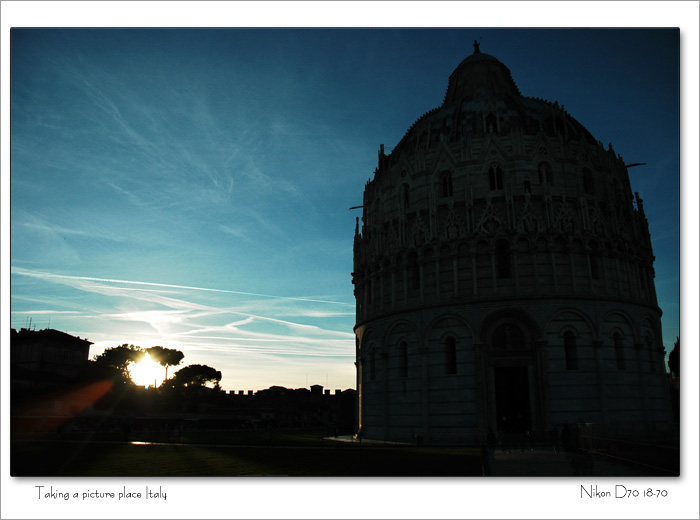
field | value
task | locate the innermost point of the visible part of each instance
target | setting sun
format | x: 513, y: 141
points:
x: 147, y: 372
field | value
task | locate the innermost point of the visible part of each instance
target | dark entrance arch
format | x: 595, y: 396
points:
x: 511, y: 364
x: 512, y: 388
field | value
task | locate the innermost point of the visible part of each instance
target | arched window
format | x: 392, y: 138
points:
x: 495, y: 178
x: 544, y: 173
x: 588, y: 182
x: 450, y: 355
x: 403, y: 359
x: 570, y: 350
x: 503, y: 258
x: 619, y: 351
x: 446, y: 184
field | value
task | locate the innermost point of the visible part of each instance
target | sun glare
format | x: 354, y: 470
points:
x: 147, y: 372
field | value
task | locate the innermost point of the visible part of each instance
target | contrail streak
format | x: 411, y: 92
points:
x: 38, y: 274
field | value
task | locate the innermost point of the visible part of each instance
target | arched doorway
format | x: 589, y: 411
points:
x: 510, y: 355
x: 510, y: 363
x: 512, y: 399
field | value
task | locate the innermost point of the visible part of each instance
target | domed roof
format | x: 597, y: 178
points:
x: 482, y: 85
x: 479, y: 75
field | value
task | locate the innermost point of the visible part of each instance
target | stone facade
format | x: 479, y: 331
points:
x: 503, y: 276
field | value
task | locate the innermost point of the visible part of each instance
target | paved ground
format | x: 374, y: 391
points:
x: 545, y: 462
x: 551, y: 463
x: 541, y: 461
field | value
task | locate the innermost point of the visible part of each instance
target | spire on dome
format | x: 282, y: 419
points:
x: 479, y: 75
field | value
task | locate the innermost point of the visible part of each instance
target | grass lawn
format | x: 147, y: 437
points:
x: 293, y: 455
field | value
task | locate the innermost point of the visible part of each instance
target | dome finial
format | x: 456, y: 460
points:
x: 476, y: 47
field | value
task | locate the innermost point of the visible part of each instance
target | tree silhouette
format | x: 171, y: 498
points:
x: 196, y: 375
x: 674, y: 358
x: 167, y: 357
x: 120, y: 358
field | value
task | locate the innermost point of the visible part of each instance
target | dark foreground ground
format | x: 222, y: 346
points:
x: 278, y: 454
x: 299, y: 453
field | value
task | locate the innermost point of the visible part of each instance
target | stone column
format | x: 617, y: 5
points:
x: 597, y: 345
x: 492, y: 257
x: 664, y: 385
x: 619, y: 277
x: 569, y: 250
x: 652, y: 285
x: 366, y: 287
x: 638, y: 347
x: 455, y: 276
x: 421, y: 279
x: 405, y: 280
x: 358, y: 401
x: 642, y: 280
x: 543, y: 404
x: 590, y: 271
x: 604, y: 273
x: 381, y: 275
x: 385, y: 395
x: 535, y: 273
x: 425, y: 394
x: 437, y: 275
x: 481, y: 385
x: 553, y: 261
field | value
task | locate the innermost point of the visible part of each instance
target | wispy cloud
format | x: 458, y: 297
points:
x: 181, y: 316
x: 43, y: 225
x: 33, y: 312
x: 194, y: 153
x: 49, y: 276
x: 236, y: 232
x: 216, y: 322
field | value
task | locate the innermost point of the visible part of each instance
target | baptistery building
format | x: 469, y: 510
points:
x: 503, y: 275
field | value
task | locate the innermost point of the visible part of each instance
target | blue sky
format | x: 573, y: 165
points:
x: 190, y: 188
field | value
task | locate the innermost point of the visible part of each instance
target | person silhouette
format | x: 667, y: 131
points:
x: 491, y: 439
x: 565, y: 435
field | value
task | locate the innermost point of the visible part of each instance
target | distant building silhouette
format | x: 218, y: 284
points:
x: 281, y: 407
x: 46, y: 356
x: 504, y: 276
